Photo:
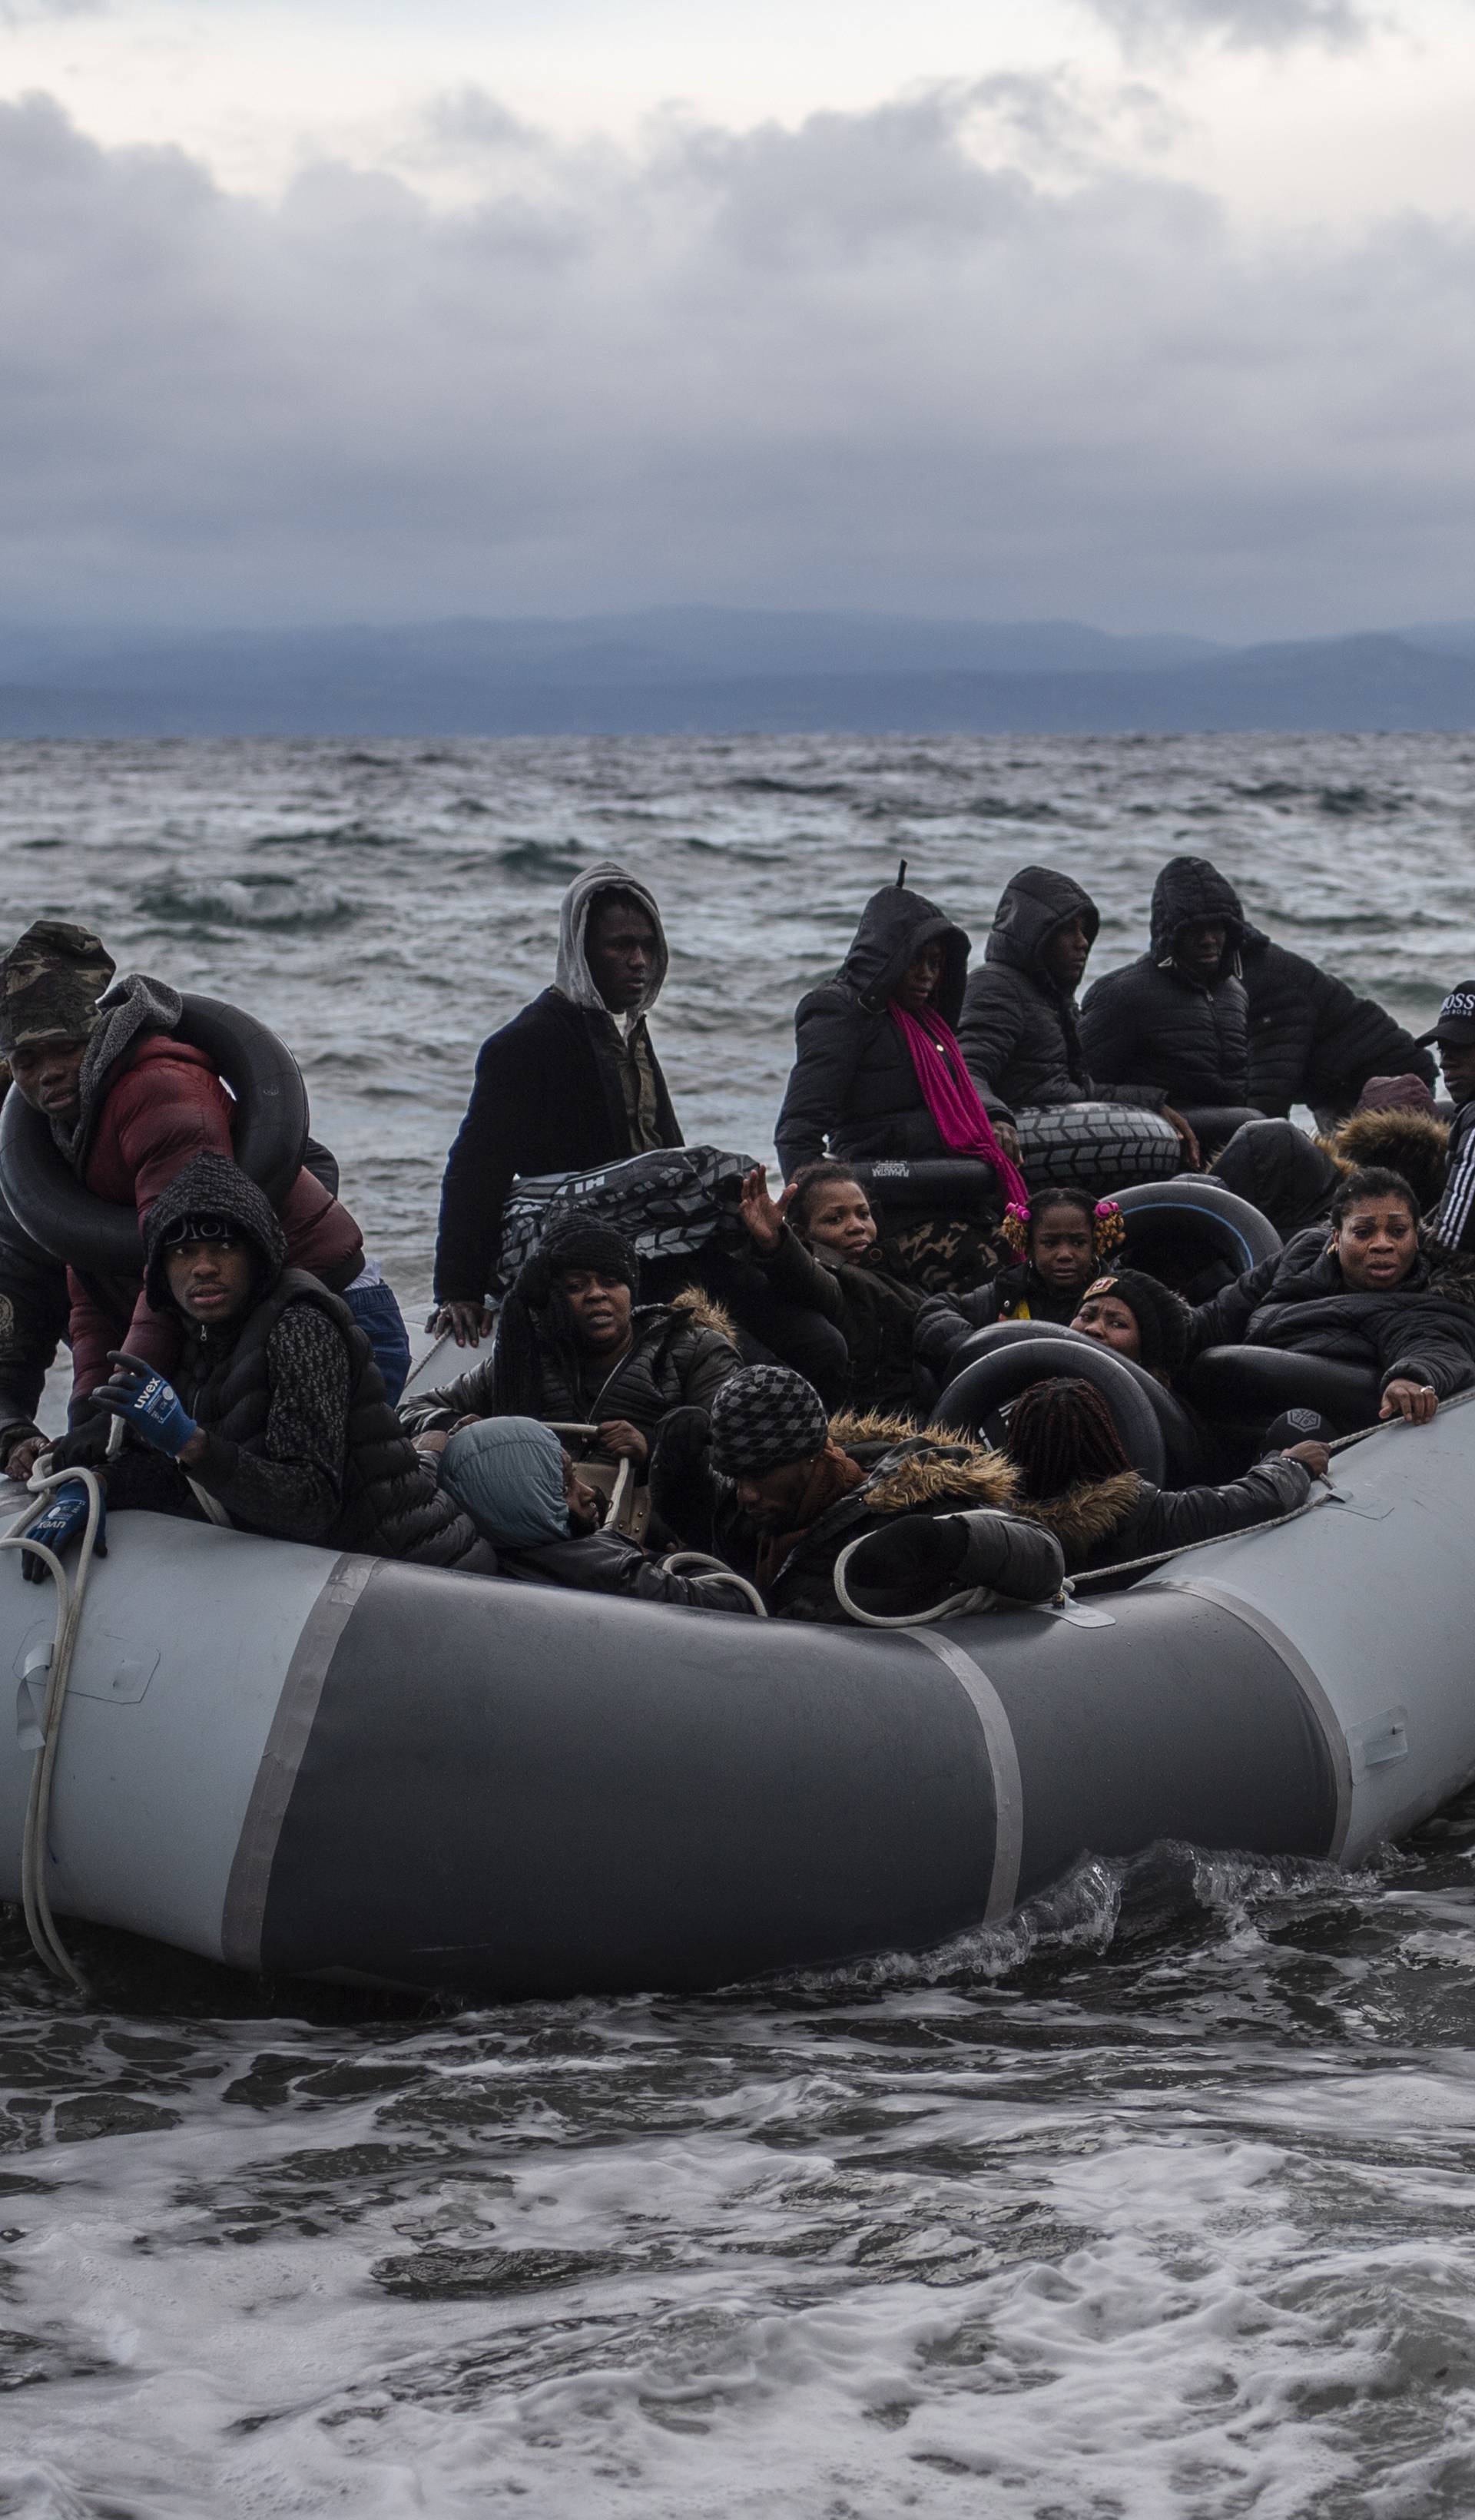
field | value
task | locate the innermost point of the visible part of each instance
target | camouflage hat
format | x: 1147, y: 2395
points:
x: 50, y: 983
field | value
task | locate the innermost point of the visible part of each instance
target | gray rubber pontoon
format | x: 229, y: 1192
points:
x: 344, y: 1767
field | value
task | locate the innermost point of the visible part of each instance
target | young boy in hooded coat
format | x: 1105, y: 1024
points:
x: 280, y: 1411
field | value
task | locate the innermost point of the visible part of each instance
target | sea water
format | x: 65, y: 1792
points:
x: 1155, y: 2204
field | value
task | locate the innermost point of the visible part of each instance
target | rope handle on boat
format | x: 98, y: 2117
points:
x: 976, y: 1597
x: 71, y: 1591
x: 1329, y: 1496
x: 695, y: 1562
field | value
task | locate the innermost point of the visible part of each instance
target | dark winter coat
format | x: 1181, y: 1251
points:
x: 34, y: 1315
x: 1415, y: 1144
x: 1312, y: 1039
x: 1110, y: 1521
x: 1148, y: 1024
x: 906, y: 1475
x: 1019, y: 1030
x: 159, y: 1105
x: 604, y: 1561
x: 873, y: 1310
x: 853, y: 1081
x: 1279, y: 1170
x: 365, y: 1487
x: 1300, y: 1300
x: 547, y: 1098
x: 682, y: 1356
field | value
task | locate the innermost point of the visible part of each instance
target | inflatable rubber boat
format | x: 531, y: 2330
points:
x: 344, y: 1767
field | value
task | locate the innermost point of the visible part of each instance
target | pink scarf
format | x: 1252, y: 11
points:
x: 952, y: 1096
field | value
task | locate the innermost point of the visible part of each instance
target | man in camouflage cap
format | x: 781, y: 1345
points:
x: 50, y: 983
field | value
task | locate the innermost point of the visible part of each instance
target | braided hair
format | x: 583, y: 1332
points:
x: 1101, y: 1215
x: 536, y: 1322
x: 1061, y: 1434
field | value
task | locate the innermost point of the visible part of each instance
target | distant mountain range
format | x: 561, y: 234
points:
x: 704, y: 670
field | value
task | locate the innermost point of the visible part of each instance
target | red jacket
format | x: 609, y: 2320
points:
x: 164, y: 1104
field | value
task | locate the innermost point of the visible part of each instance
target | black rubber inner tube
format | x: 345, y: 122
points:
x: 269, y: 1131
x: 976, y: 1399
x: 1194, y: 1234
x: 961, y: 1186
x: 1251, y: 1385
x: 1181, y: 1442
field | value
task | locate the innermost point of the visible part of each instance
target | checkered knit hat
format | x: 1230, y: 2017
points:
x: 764, y: 1418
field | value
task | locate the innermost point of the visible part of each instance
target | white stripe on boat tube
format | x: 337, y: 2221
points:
x: 1309, y: 1686
x: 245, y: 1906
x: 1003, y: 1761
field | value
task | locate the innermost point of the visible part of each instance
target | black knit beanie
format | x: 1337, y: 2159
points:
x: 572, y: 1240
x: 1162, y: 1318
x: 765, y: 1416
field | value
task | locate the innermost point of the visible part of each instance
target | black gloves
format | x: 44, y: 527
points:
x: 84, y: 1447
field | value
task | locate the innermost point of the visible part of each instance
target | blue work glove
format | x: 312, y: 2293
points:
x: 63, y: 1518
x: 148, y: 1404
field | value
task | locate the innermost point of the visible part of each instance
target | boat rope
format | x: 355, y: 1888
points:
x: 976, y: 1597
x: 71, y: 1593
x: 695, y: 1562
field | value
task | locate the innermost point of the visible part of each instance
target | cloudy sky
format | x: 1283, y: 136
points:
x: 1155, y: 313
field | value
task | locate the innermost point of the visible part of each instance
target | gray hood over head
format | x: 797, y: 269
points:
x: 572, y: 977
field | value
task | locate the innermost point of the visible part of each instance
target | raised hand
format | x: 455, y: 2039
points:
x: 763, y: 1216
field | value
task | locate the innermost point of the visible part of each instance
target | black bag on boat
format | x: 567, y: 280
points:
x: 670, y: 1204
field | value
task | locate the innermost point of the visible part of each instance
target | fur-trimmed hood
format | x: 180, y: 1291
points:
x: 1412, y: 1142
x: 704, y: 1313
x: 1087, y: 1514
x: 907, y: 1473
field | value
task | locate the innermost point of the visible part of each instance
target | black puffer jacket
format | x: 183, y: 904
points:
x: 1279, y: 1170
x: 1018, y: 1030
x: 853, y: 1080
x: 1312, y: 1039
x: 1113, y: 1520
x: 874, y: 1309
x: 682, y: 1356
x: 388, y: 1503
x: 1300, y: 1300
x: 906, y: 1475
x: 1150, y: 1026
x: 35, y: 1309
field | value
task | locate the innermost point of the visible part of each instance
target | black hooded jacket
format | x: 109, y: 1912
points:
x: 853, y: 1080
x: 1312, y: 1039
x: 1279, y: 1170
x: 1020, y: 1031
x: 300, y: 1439
x: 1151, y: 1025
x: 1300, y: 1300
x: 1109, y: 1522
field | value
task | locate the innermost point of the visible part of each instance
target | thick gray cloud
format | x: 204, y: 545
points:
x: 1269, y: 25
x: 899, y: 358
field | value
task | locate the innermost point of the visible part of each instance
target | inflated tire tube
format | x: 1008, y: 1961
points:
x: 1196, y: 1218
x: 1253, y: 1384
x: 984, y: 1389
x: 1180, y: 1440
x: 98, y: 1234
x: 1096, y: 1147
x: 961, y: 1186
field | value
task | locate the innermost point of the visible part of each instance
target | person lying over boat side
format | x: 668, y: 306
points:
x: 574, y: 1346
x: 1178, y: 1017
x: 1020, y: 1024
x: 1064, y: 1238
x: 819, y: 1247
x: 877, y: 1072
x: 777, y: 1490
x: 278, y: 1409
x: 1140, y: 1317
x: 1359, y: 1293
x: 523, y: 1492
x: 129, y: 1104
x: 570, y: 1083
x: 1454, y: 1226
x: 1076, y: 1480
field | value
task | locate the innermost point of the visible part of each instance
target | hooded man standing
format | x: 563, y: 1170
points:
x: 571, y: 1081
x: 1178, y: 1017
